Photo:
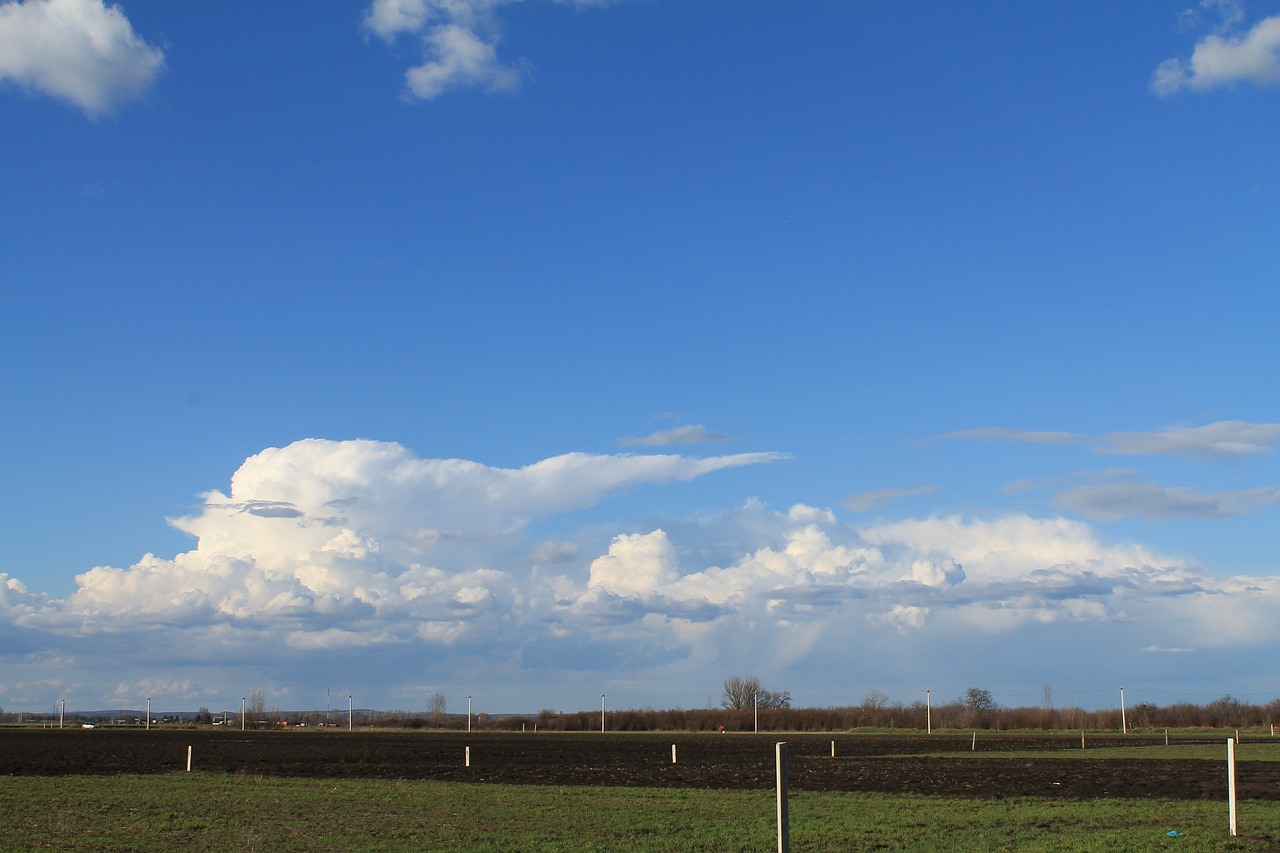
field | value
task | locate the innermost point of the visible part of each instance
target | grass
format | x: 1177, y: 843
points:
x: 207, y: 812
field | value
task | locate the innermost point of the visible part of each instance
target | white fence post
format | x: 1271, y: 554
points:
x: 188, y: 759
x: 1231, y: 785
x: 784, y: 830
x: 673, y: 753
x: 467, y: 757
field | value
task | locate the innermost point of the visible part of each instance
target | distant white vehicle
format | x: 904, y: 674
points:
x: 87, y: 726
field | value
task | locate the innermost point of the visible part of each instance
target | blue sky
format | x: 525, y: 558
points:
x: 559, y: 348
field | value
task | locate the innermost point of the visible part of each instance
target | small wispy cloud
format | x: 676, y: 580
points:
x: 691, y: 434
x: 1009, y: 434
x: 867, y: 500
x: 1163, y: 650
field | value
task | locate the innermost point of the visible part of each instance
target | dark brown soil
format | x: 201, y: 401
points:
x: 889, y: 763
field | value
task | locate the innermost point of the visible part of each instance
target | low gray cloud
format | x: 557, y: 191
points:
x: 1114, y: 501
x: 1221, y: 439
x: 691, y: 434
x: 867, y: 500
x: 1009, y: 434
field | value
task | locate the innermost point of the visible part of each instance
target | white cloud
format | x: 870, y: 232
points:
x: 1113, y: 501
x: 458, y: 58
x: 459, y: 43
x: 691, y: 434
x: 929, y: 573
x: 1223, y: 59
x: 389, y: 18
x: 82, y: 51
x: 902, y: 618
x: 1216, y: 440
x: 636, y: 563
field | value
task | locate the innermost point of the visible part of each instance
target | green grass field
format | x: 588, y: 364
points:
x: 199, y: 812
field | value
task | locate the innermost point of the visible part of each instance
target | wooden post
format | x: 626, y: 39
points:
x: 188, y: 759
x: 1166, y: 737
x: 833, y: 749
x: 467, y: 758
x: 1082, y: 738
x: 784, y: 830
x: 974, y: 748
x: 673, y: 753
x: 1231, y: 785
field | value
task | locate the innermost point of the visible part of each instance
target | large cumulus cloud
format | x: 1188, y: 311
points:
x: 325, y: 554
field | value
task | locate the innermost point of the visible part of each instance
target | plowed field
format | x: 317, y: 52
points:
x: 886, y: 763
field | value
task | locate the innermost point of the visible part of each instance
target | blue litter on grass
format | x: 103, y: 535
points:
x: 1174, y: 832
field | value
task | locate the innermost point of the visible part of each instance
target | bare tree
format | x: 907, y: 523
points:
x: 435, y: 708
x: 775, y: 700
x: 742, y: 693
x: 257, y: 705
x: 979, y: 699
x: 875, y: 701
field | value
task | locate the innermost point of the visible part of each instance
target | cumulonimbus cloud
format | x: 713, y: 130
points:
x: 82, y: 51
x: 323, y: 549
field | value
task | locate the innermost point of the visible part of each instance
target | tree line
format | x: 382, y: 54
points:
x: 746, y: 703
